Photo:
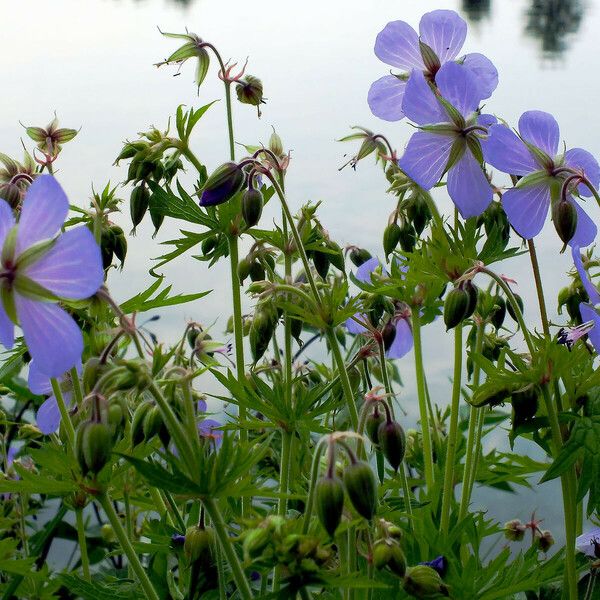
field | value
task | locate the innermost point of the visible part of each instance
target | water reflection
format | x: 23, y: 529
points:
x: 476, y: 10
x: 553, y: 22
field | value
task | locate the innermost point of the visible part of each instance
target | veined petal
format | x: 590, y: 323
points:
x: 586, y: 230
x: 588, y: 313
x: 426, y: 157
x: 72, y: 268
x: 354, y: 327
x: 48, y: 416
x: 7, y: 221
x: 397, y: 44
x: 578, y: 158
x: 420, y: 104
x: 7, y: 329
x: 363, y: 273
x: 485, y: 71
x: 589, y: 287
x: 52, y: 336
x: 540, y: 129
x: 526, y: 208
x: 37, y: 381
x: 458, y: 85
x: 444, y: 31
x: 504, y: 150
x: 385, y: 98
x: 586, y: 542
x: 44, y: 211
x: 469, y: 187
x: 403, y: 342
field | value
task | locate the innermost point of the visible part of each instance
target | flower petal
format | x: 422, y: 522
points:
x: 426, y: 157
x: 397, y: 44
x: 7, y: 329
x: 578, y: 158
x: 527, y: 208
x: 420, y: 104
x: 485, y: 71
x: 52, y: 336
x: 586, y: 230
x: 504, y: 150
x: 385, y: 98
x: 353, y: 327
x: 444, y: 31
x: 72, y: 268
x: 469, y: 187
x: 540, y: 129
x: 7, y: 221
x: 589, y: 313
x: 44, y: 211
x: 403, y: 342
x: 363, y: 273
x: 37, y: 381
x: 590, y: 288
x: 585, y: 542
x: 48, y: 416
x: 458, y: 85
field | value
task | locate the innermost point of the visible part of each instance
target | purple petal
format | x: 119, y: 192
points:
x: 37, y: 381
x: 585, y: 542
x: 353, y: 327
x: 590, y: 288
x: 444, y: 32
x: 385, y: 98
x: 540, y: 129
x: 586, y: 230
x: 397, y: 44
x: 420, y: 104
x: 72, y: 268
x: 469, y: 187
x: 403, y: 342
x: 209, y: 428
x: 7, y: 220
x: 588, y: 313
x: 201, y: 405
x: 426, y: 157
x: 52, y: 336
x: 44, y: 211
x: 486, y: 120
x: 527, y: 208
x: 48, y: 416
x: 504, y: 150
x: 459, y: 86
x: 363, y: 273
x: 578, y: 158
x: 7, y: 329
x: 485, y: 71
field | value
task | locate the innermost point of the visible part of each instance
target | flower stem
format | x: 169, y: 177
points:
x: 232, y: 558
x: 314, y: 474
x: 85, y: 562
x: 64, y: 413
x: 126, y: 546
x: 425, y: 428
x: 77, y: 389
x: 448, y: 489
x: 538, y: 286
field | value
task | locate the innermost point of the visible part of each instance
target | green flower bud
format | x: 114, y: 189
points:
x: 391, y: 238
x: 330, y: 502
x: 275, y: 144
x: 511, y: 310
x: 423, y: 582
x: 392, y: 442
x: 119, y: 242
x: 224, y: 183
x: 372, y: 423
x: 499, y: 312
x: 11, y: 193
x: 261, y: 331
x: 525, y: 404
x: 564, y: 216
x: 198, y: 545
x: 138, y: 204
x: 296, y: 326
x: 397, y: 561
x: 107, y: 533
x: 209, y: 244
x: 252, y: 205
x: 382, y: 552
x: 137, y: 423
x: 514, y: 530
x: 358, y: 256
x: 157, y: 219
x: 408, y: 237
x: 257, y: 271
x: 321, y: 262
x: 361, y: 488
x: 29, y: 431
x: 455, y: 307
x: 91, y: 373
x: 107, y: 247
x: 255, y: 541
x: 250, y: 91
x: 243, y: 269
x: 93, y: 445
x: 155, y: 425
x: 473, y: 293
x: 419, y: 213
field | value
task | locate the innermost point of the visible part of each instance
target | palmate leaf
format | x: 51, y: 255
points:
x: 34, y: 483
x: 145, y: 301
x: 182, y: 245
x: 99, y: 590
x: 165, y: 202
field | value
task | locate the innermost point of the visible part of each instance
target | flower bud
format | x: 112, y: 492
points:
x: 374, y: 420
x: 514, y: 530
x: 137, y: 423
x: 250, y: 91
x: 408, y: 237
x: 423, y: 582
x: 257, y: 271
x: 359, y: 256
x: 275, y: 144
x: 392, y: 442
x: 261, y: 331
x: 321, y: 263
x: 499, y: 312
x: 397, y: 561
x: 119, y: 242
x: 255, y: 541
x: 473, y: 293
x: 511, y: 310
x: 545, y: 540
x: 224, y: 183
x: 243, y: 269
x: 93, y: 446
x: 419, y: 213
x: 330, y: 502
x: 391, y: 238
x: 252, y: 205
x: 455, y: 307
x: 388, y: 334
x: 155, y: 425
x: 11, y: 193
x: 107, y: 247
x: 116, y: 417
x: 564, y: 216
x: 138, y: 204
x: 382, y: 553
x: 209, y: 244
x: 157, y: 218
x: 361, y: 488
x: 296, y: 326
x: 107, y: 533
x: 525, y: 404
x: 198, y: 544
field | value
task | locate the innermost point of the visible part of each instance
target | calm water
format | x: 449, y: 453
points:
x: 92, y: 62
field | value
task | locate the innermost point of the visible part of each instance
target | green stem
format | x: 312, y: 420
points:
x: 126, y: 546
x: 85, y: 562
x: 425, y: 428
x: 314, y: 474
x: 64, y: 413
x: 284, y: 471
x: 538, y: 286
x: 77, y: 389
x: 232, y: 558
x: 451, y: 443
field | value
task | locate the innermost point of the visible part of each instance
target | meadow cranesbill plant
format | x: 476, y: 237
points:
x: 301, y: 467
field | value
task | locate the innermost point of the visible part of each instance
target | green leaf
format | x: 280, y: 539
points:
x: 165, y: 202
x: 98, y: 590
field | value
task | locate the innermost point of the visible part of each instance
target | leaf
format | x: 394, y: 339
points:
x: 165, y: 202
x: 97, y: 590
x: 195, y: 116
x: 35, y: 484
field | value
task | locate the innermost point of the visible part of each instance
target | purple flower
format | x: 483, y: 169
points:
x: 533, y: 155
x: 209, y: 430
x: 589, y: 543
x: 440, y: 564
x: 39, y: 266
x: 48, y: 416
x: 449, y: 140
x: 442, y: 35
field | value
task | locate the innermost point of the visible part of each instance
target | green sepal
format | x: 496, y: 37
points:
x: 10, y: 244
x: 540, y: 156
x: 534, y: 178
x: 430, y: 58
x: 34, y: 253
x: 441, y: 128
x: 474, y: 146
x: 30, y: 289
x: 8, y: 302
x: 456, y: 153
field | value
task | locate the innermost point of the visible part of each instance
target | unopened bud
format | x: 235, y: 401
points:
x: 138, y: 204
x: 392, y: 442
x: 198, y: 544
x: 564, y: 216
x: 330, y: 503
x: 361, y: 488
x: 93, y: 446
x: 514, y: 530
x: 374, y: 420
x: 252, y: 205
x: 455, y: 307
x: 423, y: 582
x: 391, y: 238
x: 250, y: 91
x: 359, y: 256
x: 224, y: 183
x: 499, y: 312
